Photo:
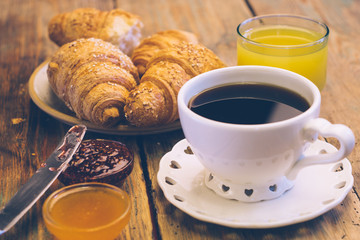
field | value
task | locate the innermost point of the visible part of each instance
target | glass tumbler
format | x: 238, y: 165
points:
x: 295, y: 43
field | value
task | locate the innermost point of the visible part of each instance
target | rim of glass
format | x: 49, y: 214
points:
x: 75, y: 188
x: 319, y: 41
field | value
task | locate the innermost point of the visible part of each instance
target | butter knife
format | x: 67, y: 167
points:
x: 32, y: 190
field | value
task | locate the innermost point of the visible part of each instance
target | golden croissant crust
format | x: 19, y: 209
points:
x: 117, y: 26
x: 154, y: 101
x: 149, y: 46
x: 93, y: 78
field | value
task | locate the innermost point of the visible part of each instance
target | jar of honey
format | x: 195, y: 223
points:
x: 87, y: 211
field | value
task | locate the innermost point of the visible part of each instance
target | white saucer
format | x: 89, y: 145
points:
x: 317, y: 190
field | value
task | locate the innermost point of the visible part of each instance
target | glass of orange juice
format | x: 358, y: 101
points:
x: 294, y: 43
x: 87, y: 211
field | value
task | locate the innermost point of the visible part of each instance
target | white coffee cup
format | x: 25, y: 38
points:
x: 257, y: 162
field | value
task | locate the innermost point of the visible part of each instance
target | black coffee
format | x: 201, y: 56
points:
x: 248, y: 103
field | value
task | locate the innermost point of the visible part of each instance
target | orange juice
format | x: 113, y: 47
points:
x: 91, y: 211
x: 297, y: 49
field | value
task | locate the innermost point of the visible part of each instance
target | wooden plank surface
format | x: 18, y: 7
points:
x: 340, y: 97
x: 343, y: 221
x: 28, y: 135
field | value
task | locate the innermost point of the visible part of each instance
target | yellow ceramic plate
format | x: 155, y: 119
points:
x: 43, y: 96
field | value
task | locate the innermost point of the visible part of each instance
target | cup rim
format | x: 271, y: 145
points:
x: 74, y: 188
x: 183, y: 106
x: 319, y: 41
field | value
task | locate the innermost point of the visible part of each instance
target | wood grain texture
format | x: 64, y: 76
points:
x: 340, y: 97
x: 343, y: 221
x: 28, y: 135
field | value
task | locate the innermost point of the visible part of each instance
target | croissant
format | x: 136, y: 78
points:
x: 154, y: 101
x: 149, y: 46
x: 93, y: 78
x: 117, y: 26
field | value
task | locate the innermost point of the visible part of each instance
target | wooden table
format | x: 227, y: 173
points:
x: 28, y: 135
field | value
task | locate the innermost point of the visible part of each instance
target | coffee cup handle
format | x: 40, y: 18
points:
x: 324, y: 128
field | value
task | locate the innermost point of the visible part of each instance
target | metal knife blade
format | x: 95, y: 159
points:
x: 32, y: 190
